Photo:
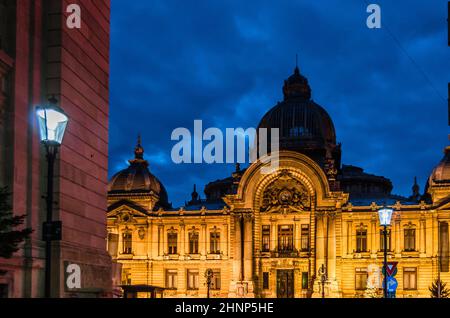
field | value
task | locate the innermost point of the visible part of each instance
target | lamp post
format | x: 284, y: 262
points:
x: 52, y: 123
x: 209, y: 274
x: 385, y: 215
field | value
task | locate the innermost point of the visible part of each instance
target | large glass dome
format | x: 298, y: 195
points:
x: 304, y: 126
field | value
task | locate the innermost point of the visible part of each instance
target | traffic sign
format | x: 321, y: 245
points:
x: 392, y: 284
x: 391, y: 268
x: 52, y: 231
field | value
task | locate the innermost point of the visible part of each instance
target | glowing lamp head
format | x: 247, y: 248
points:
x: 385, y: 215
x: 52, y: 123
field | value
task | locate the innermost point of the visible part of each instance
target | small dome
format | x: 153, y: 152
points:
x: 137, y: 179
x: 441, y: 173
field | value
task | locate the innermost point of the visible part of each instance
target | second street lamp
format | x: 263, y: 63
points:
x: 209, y: 274
x: 52, y: 123
x: 385, y: 215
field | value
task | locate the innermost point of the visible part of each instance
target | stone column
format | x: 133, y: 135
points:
x: 296, y: 234
x: 182, y: 239
x: 148, y: 235
x: 160, y: 240
x: 422, y: 247
x: 237, y: 248
x: 225, y: 239
x: 349, y: 237
x: 333, y: 286
x: 248, y: 247
x: 273, y: 235
x: 373, y: 243
x: 203, y: 241
x: 398, y: 234
x: 320, y: 251
x: 332, y: 246
x: 320, y: 239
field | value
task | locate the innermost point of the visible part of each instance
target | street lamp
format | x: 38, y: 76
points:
x: 385, y: 215
x: 209, y: 274
x: 52, y: 123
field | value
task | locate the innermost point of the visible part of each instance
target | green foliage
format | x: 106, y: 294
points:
x: 10, y: 236
x: 434, y: 289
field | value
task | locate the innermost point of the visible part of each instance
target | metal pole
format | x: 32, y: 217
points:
x: 385, y: 261
x: 51, y: 154
x: 209, y: 274
x: 323, y: 289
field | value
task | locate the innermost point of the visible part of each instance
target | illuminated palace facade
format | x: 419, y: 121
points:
x: 308, y: 229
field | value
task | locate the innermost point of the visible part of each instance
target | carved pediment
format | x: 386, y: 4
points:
x: 124, y: 211
x: 285, y: 193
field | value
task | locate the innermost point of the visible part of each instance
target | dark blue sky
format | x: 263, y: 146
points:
x: 225, y: 61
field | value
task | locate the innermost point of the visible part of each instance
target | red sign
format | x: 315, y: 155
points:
x: 390, y: 267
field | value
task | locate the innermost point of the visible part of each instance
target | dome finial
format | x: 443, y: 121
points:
x: 296, y: 86
x: 415, y: 190
x: 139, y: 150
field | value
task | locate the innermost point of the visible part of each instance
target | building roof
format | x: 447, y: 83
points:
x: 137, y: 179
x: 302, y: 123
x: 441, y: 173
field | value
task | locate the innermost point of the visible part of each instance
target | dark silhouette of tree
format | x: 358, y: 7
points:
x: 10, y: 236
x: 434, y: 289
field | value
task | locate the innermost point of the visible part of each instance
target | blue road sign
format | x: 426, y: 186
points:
x: 392, y: 284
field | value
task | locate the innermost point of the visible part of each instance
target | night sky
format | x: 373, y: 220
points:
x: 225, y: 62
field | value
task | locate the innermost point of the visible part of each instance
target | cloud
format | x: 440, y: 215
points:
x: 225, y: 62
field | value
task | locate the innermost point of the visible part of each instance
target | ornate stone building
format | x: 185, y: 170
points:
x: 280, y: 234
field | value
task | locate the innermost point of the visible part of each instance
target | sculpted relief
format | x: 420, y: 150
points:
x: 285, y: 194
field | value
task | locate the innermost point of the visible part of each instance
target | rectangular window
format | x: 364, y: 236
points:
x: 305, y: 238
x: 388, y: 238
x: 193, y: 243
x: 410, y: 239
x: 171, y: 278
x: 285, y: 238
x: 214, y: 241
x: 265, y: 280
x: 360, y: 278
x: 266, y: 238
x: 409, y: 278
x: 305, y: 280
x: 361, y: 240
x: 215, y: 282
x: 172, y: 242
x: 192, y: 279
x: 127, y: 243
